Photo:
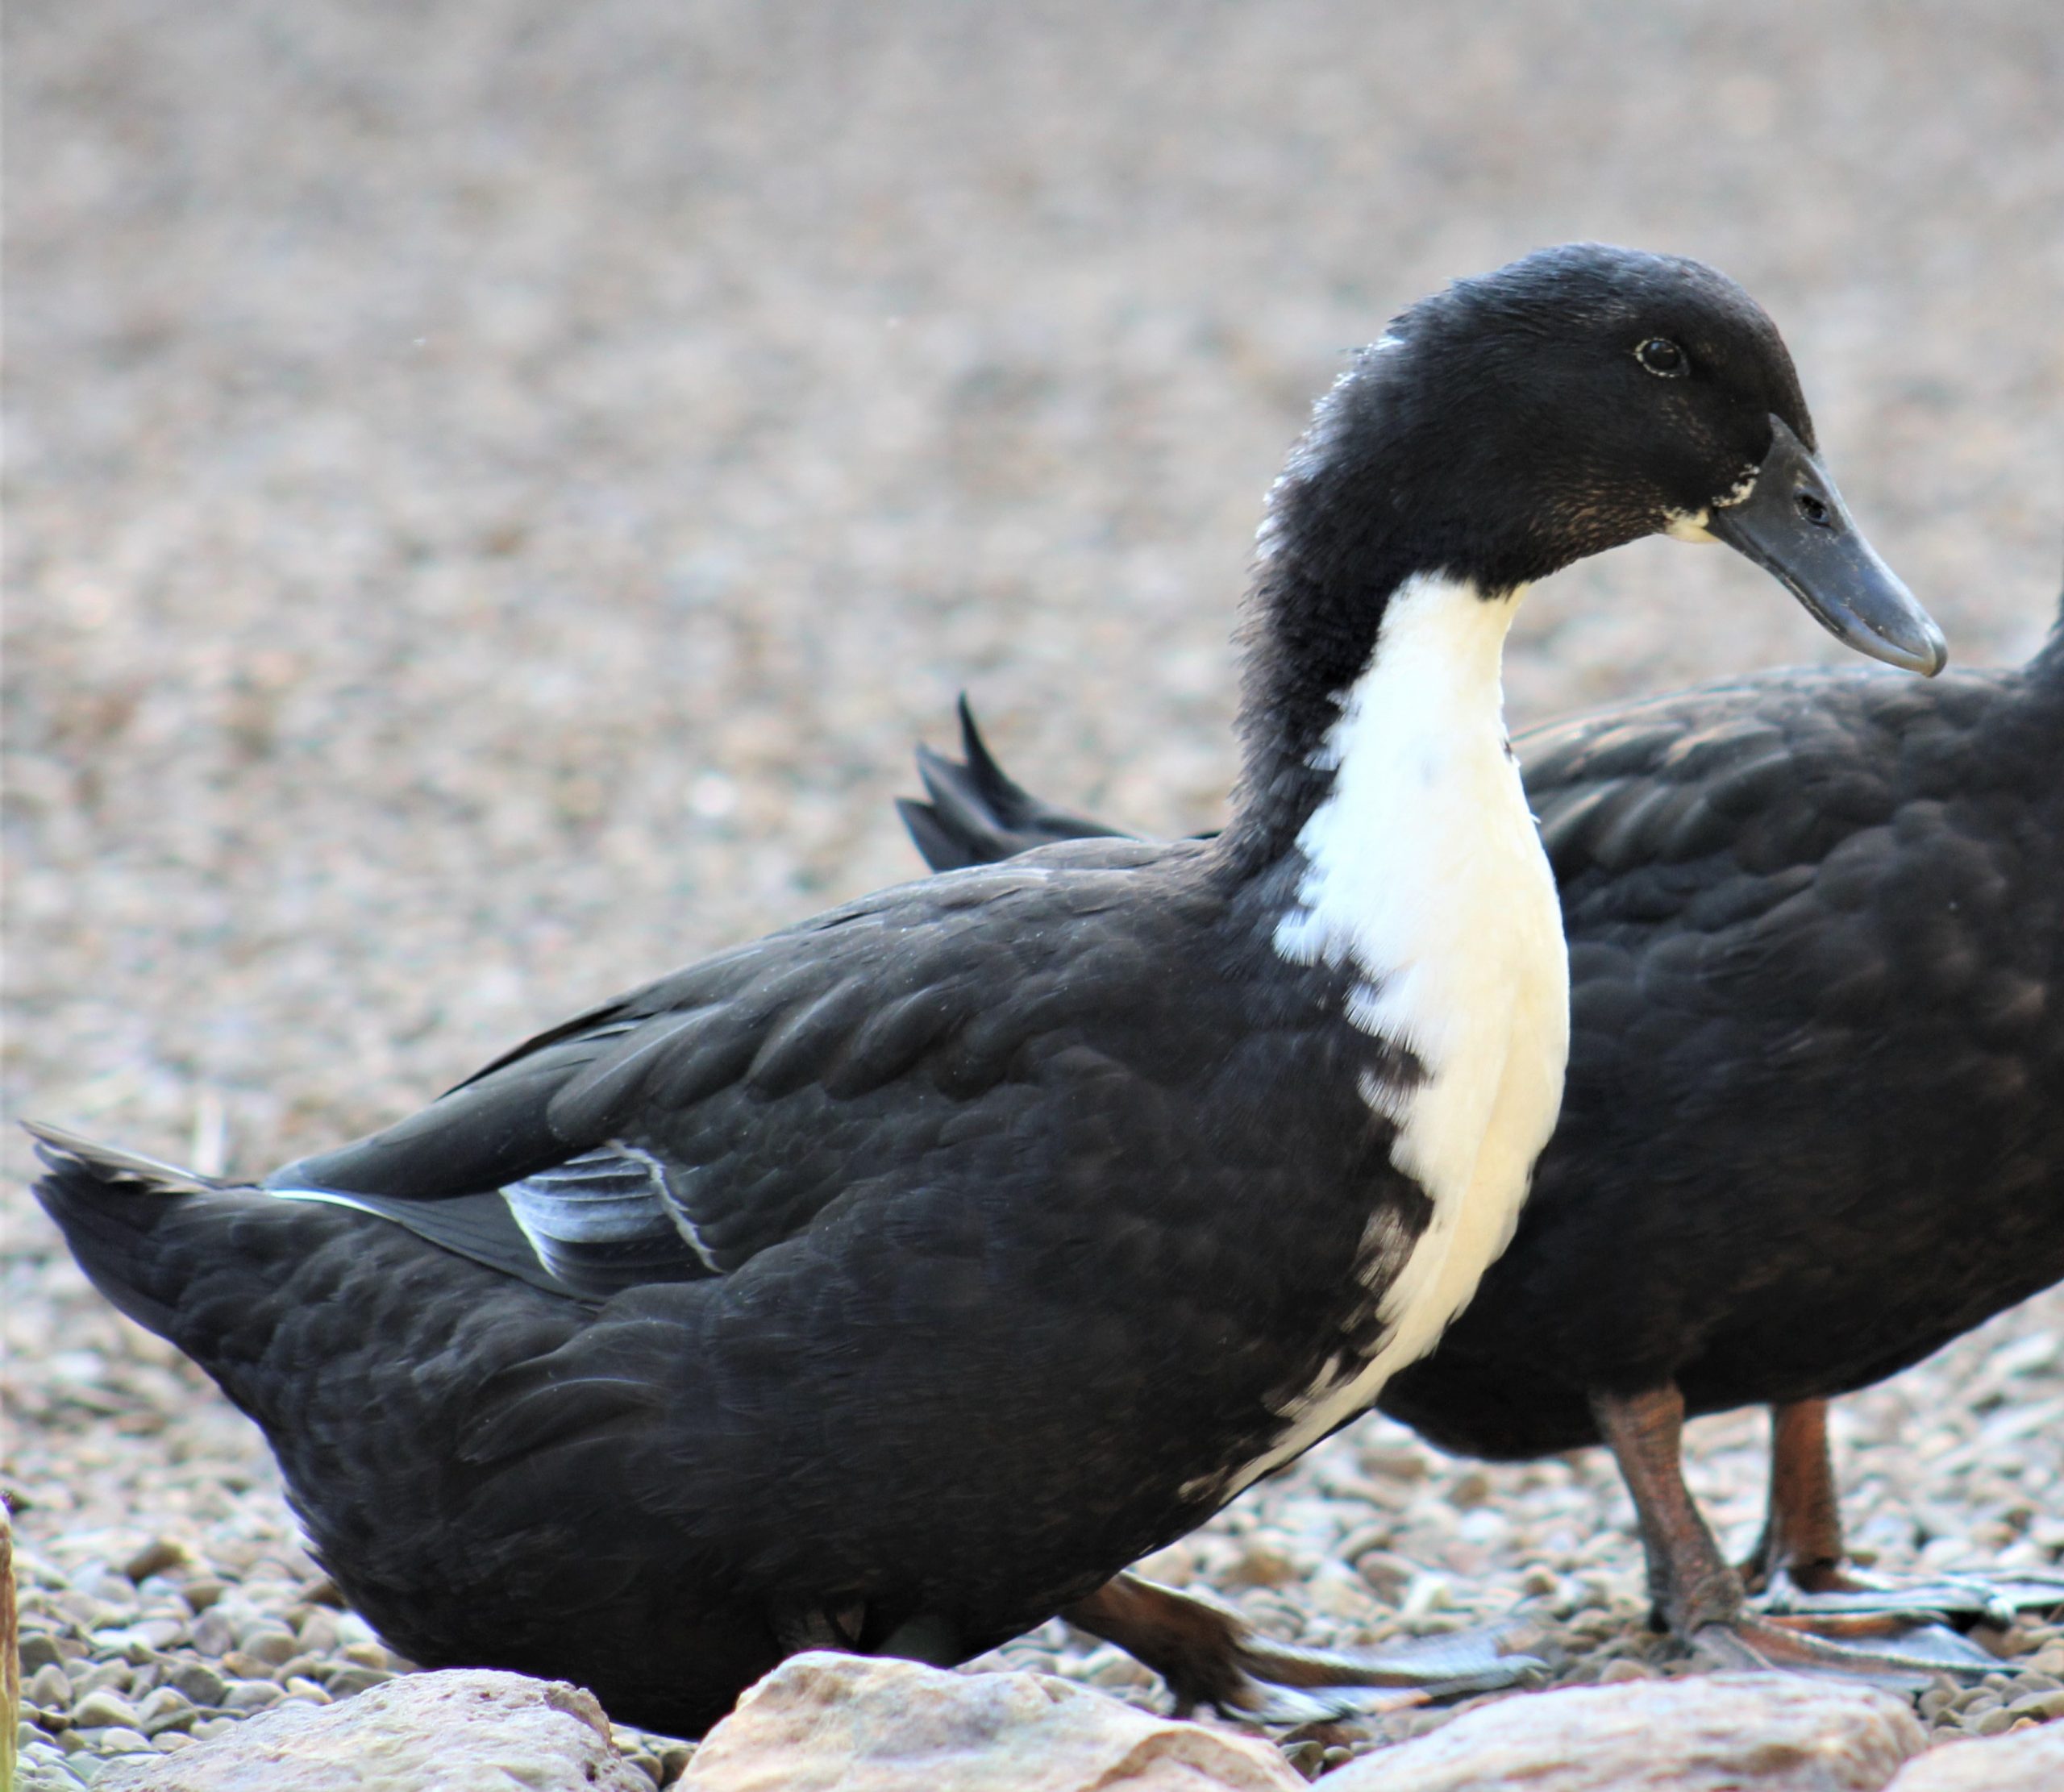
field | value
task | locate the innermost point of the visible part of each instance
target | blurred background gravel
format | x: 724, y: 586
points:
x: 495, y: 490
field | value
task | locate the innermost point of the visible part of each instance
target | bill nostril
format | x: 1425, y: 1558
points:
x: 1812, y: 509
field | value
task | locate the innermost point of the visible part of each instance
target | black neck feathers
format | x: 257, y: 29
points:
x: 1360, y: 510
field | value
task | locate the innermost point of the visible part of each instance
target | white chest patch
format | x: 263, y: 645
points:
x: 1426, y: 874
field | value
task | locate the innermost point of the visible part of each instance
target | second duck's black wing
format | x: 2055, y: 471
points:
x: 1803, y: 1141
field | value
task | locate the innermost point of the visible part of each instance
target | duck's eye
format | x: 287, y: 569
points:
x: 1659, y: 355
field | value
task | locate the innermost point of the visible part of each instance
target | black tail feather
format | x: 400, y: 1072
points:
x: 978, y: 815
x: 937, y: 845
x: 108, y: 1203
x: 105, y: 1164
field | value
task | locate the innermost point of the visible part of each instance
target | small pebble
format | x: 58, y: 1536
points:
x: 165, y: 1709
x: 49, y: 1687
x: 155, y: 1557
x: 1118, y: 1672
x: 1939, y: 1698
x: 1308, y: 1757
x: 133, y: 1744
x: 1471, y: 1487
x: 214, y: 1635
x: 355, y: 1630
x: 109, y: 1585
x: 199, y: 1682
x: 2041, y: 1704
x: 117, y: 1739
x: 1263, y: 1565
x: 95, y: 1676
x: 1388, y: 1574
x: 251, y: 1695
x: 272, y: 1646
x: 100, y: 1708
x: 202, y: 1591
x: 38, y: 1650
x: 1353, y: 1544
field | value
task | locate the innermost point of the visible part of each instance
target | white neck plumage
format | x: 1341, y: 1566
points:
x: 1424, y: 876
x: 1421, y: 773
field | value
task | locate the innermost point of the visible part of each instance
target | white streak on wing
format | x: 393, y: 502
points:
x: 1425, y: 872
x: 611, y: 1220
x: 675, y: 1210
x: 325, y: 1197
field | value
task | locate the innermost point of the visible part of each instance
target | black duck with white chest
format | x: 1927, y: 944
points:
x: 895, y: 1281
x: 1813, y: 1125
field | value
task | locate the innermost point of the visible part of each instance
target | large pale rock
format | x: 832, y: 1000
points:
x: 822, y: 1721
x: 464, y: 1730
x: 2031, y: 1761
x: 1758, y: 1733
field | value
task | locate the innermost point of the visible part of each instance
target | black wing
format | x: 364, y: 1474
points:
x: 677, y: 1131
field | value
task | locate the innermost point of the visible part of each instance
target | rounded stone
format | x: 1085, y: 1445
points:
x: 251, y: 1695
x: 104, y: 1707
x: 200, y: 1683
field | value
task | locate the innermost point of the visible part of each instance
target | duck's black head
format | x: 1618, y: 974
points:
x: 1581, y: 398
x: 1578, y: 399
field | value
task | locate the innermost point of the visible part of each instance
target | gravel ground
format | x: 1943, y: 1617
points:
x: 495, y: 490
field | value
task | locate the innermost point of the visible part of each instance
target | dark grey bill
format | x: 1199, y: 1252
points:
x: 1795, y: 524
